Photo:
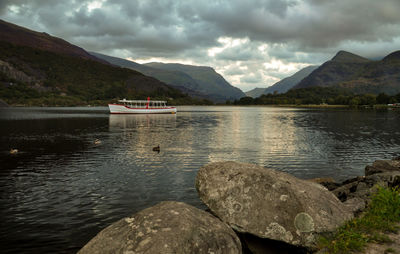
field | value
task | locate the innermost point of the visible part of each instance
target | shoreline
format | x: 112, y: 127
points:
x: 316, y: 106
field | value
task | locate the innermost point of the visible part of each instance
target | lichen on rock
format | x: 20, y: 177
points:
x: 168, y: 227
x: 268, y: 203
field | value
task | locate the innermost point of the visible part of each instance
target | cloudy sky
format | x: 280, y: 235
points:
x: 252, y: 43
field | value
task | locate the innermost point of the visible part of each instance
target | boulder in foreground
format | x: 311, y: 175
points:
x: 268, y: 203
x: 168, y: 227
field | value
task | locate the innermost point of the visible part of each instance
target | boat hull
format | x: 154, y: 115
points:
x: 122, y: 109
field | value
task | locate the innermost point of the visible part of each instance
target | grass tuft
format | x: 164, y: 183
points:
x: 380, y: 217
x: 389, y: 250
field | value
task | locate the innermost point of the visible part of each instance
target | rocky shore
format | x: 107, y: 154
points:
x: 252, y: 209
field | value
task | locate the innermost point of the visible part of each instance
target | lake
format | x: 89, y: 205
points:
x: 62, y: 188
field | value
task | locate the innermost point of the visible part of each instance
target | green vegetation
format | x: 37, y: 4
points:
x: 381, y: 216
x: 389, y: 250
x: 319, y: 95
x: 62, y: 80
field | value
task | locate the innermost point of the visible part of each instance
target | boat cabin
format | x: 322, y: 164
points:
x: 143, y: 103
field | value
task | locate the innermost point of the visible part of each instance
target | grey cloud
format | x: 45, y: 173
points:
x: 4, y: 4
x: 240, y: 53
x: 299, y: 31
x: 254, y: 78
x: 309, y: 24
x: 233, y: 71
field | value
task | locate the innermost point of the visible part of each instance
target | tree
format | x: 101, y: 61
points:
x: 245, y: 100
x: 355, y: 101
x: 368, y: 99
x: 383, y: 98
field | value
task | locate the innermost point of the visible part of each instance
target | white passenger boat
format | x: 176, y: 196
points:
x: 141, y: 107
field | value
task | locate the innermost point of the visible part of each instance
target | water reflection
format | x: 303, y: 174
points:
x: 131, y: 121
x: 62, y: 188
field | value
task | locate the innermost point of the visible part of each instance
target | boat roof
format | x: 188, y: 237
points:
x: 141, y: 101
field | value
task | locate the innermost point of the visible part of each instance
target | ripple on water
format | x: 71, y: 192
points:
x: 61, y: 189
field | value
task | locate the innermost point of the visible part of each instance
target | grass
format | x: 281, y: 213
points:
x: 380, y: 217
x: 389, y: 250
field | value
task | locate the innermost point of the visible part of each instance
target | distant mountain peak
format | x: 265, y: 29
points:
x: 177, y: 65
x: 198, y: 81
x: 392, y: 56
x: 347, y: 57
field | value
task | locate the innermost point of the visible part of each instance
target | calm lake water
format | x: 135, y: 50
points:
x: 61, y: 188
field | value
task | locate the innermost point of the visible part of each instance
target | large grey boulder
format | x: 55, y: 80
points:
x: 168, y: 227
x: 268, y: 203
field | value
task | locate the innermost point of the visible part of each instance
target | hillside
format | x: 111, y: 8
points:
x: 357, y: 74
x: 287, y: 83
x: 21, y: 36
x: 197, y: 81
x: 256, y: 92
x: 52, y: 74
x: 176, y: 79
x: 210, y: 82
x: 283, y: 85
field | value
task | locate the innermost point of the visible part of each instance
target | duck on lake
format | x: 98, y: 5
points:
x: 97, y: 142
x: 156, y: 148
x: 13, y: 151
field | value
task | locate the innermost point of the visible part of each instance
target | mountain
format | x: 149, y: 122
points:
x: 198, y: 81
x: 176, y: 79
x: 283, y: 85
x: 256, y: 92
x: 357, y: 74
x: 38, y: 69
x: 347, y: 57
x: 21, y: 36
x: 342, y: 67
x: 210, y: 82
x: 395, y: 56
x: 287, y: 83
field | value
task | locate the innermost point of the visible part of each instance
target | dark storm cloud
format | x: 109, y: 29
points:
x: 310, y: 23
x: 295, y: 31
x: 241, y: 52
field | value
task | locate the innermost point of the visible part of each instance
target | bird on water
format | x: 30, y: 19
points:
x: 156, y: 148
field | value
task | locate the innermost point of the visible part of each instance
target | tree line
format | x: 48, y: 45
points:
x: 317, y: 96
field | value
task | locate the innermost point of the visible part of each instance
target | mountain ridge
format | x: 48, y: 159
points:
x: 22, y: 36
x: 255, y: 92
x: 197, y: 81
x: 284, y: 84
x: 187, y: 87
x: 45, y: 75
x: 209, y: 80
x: 357, y: 74
x: 394, y: 56
x: 348, y: 57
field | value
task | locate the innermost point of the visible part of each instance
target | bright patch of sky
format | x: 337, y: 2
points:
x: 94, y: 5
